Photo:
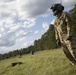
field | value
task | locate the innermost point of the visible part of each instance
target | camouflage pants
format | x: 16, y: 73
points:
x: 69, y: 48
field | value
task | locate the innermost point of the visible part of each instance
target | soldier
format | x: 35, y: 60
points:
x: 64, y: 32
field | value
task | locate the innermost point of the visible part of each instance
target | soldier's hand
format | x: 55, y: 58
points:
x: 58, y: 42
x: 69, y: 38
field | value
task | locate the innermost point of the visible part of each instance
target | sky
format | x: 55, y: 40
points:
x: 24, y: 21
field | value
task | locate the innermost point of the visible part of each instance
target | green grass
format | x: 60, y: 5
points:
x: 47, y: 62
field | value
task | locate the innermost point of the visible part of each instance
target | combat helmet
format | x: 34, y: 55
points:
x: 57, y: 8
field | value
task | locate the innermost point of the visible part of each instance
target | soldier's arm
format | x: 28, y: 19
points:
x: 69, y: 24
x: 56, y: 32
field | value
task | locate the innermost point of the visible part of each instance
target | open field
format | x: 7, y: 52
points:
x: 47, y: 62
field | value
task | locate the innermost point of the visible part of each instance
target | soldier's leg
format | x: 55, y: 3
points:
x: 71, y: 45
x: 68, y: 54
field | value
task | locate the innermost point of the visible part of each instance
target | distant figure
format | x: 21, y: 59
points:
x: 20, y: 55
x: 32, y: 52
x: 64, y: 32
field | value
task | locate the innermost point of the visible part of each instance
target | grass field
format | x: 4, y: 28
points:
x: 47, y: 62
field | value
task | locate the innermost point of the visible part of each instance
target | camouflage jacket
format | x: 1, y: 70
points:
x: 63, y: 26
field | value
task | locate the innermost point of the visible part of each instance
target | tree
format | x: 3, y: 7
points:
x: 73, y: 16
x: 1, y: 56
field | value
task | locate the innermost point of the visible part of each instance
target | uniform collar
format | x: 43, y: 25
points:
x: 60, y: 15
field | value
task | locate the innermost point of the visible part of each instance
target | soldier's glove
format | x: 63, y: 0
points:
x: 58, y: 42
x: 69, y: 38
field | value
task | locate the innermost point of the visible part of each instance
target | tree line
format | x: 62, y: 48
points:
x: 46, y: 42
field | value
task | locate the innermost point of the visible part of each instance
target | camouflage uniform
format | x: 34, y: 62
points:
x: 63, y: 29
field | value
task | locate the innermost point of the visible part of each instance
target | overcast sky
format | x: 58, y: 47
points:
x: 23, y: 21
